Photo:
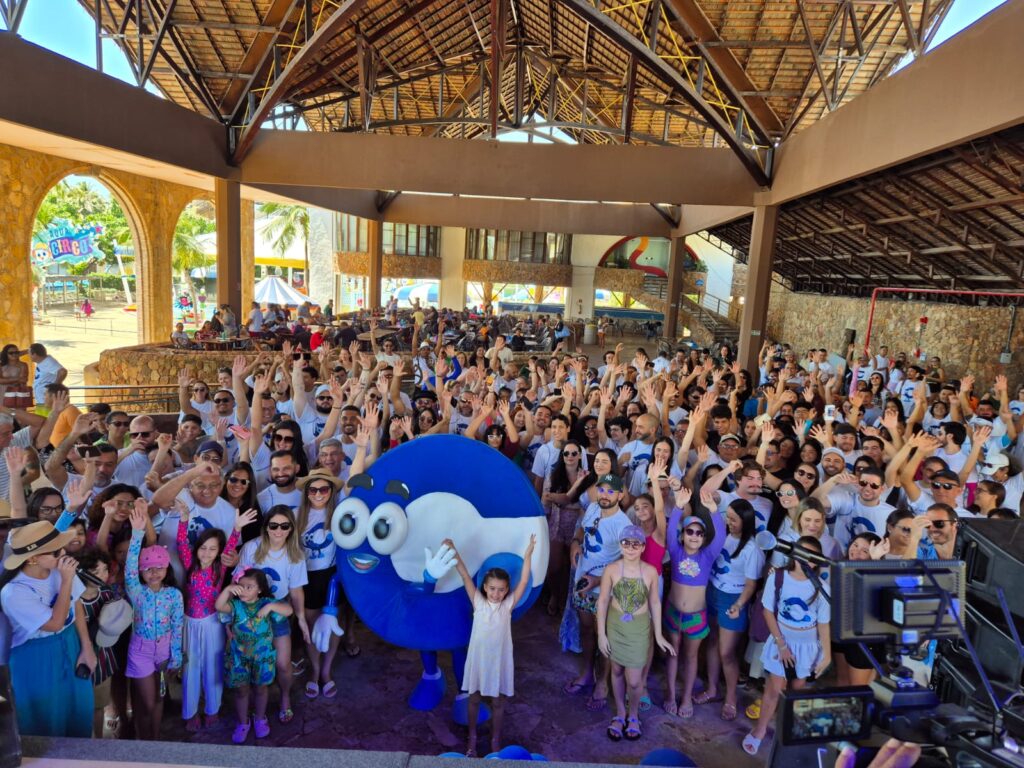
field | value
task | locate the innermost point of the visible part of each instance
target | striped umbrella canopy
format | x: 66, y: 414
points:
x: 274, y: 290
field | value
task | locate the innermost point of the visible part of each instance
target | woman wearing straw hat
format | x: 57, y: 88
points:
x: 40, y: 593
x: 320, y: 494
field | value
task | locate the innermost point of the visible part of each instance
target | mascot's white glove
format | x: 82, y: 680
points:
x: 440, y: 564
x: 325, y: 626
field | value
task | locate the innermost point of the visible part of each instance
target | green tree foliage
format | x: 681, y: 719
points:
x: 186, y: 249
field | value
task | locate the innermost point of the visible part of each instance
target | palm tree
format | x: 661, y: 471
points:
x: 285, y: 223
x: 187, y: 254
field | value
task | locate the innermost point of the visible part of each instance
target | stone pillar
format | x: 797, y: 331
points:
x: 581, y: 294
x: 22, y: 188
x: 229, y: 244
x: 452, y: 291
x: 674, y: 289
x: 759, y: 284
x: 321, y: 256
x: 488, y: 294
x: 248, y: 271
x: 375, y: 250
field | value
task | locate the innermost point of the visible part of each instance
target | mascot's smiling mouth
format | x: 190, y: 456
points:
x: 363, y: 563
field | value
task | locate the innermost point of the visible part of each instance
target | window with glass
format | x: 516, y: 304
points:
x: 397, y: 239
x: 504, y: 245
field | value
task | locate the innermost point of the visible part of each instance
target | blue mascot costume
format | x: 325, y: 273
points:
x: 399, y: 579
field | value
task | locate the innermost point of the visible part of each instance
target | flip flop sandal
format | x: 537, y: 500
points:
x: 330, y: 690
x: 671, y: 707
x: 704, y: 698
x: 751, y: 744
x: 312, y: 690
x: 728, y: 712
x: 645, y: 703
x: 633, y: 731
x: 686, y: 711
x: 596, y: 705
x: 615, y: 729
x: 262, y: 728
x: 352, y: 650
x: 753, y: 712
x: 572, y: 688
x: 285, y: 715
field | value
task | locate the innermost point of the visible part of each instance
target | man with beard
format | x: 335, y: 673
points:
x: 282, y: 490
x: 104, y: 459
x: 463, y: 414
x: 635, y: 455
x: 749, y: 478
x: 133, y: 465
x: 198, y: 490
x: 531, y: 441
x: 314, y: 420
x: 864, y: 512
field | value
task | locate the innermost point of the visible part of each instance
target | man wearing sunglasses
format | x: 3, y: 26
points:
x: 133, y: 464
x: 939, y: 541
x: 854, y: 514
x: 997, y: 468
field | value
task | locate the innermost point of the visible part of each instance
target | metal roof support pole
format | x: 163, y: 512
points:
x: 759, y: 284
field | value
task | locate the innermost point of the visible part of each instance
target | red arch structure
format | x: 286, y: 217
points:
x: 638, y: 252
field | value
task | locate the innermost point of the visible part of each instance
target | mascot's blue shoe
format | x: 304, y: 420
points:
x: 428, y: 692
x: 460, y: 711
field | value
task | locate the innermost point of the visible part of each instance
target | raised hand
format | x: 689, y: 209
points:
x: 164, y: 441
x: 707, y: 498
x: 238, y: 366
x: 682, y: 496
x: 1000, y: 385
x: 16, y: 459
x: 438, y: 565
x: 77, y: 491
x: 243, y: 519
x: 184, y: 378
x: 137, y: 517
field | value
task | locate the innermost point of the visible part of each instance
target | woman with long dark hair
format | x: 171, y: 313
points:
x: 733, y: 584
x: 560, y: 498
x: 241, y: 493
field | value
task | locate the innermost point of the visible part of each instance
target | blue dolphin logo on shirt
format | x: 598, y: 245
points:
x: 859, y: 525
x: 721, y: 565
x: 273, y: 577
x: 196, y: 525
x: 316, y: 540
x: 796, y: 611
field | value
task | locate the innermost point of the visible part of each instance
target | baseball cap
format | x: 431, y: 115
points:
x: 210, y: 445
x: 834, y: 450
x: 154, y: 557
x: 729, y: 436
x: 115, y: 617
x: 694, y: 519
x: 632, y: 533
x: 425, y: 345
x: 613, y: 480
x: 948, y: 475
x: 322, y: 389
x: 994, y: 462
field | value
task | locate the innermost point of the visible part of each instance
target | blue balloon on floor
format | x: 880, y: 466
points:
x: 452, y: 754
x: 672, y: 758
x: 515, y: 752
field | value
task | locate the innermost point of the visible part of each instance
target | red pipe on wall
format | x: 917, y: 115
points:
x: 938, y: 291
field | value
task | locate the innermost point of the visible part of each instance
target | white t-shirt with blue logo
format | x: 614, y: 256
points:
x: 317, y: 541
x: 221, y: 515
x: 799, y: 606
x: 853, y: 517
x: 282, y: 573
x: 729, y: 574
x: 762, y: 508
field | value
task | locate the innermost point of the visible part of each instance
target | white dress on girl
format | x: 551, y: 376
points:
x: 489, y: 667
x: 802, y: 607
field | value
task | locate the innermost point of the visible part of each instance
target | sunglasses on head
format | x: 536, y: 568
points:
x: 866, y: 484
x: 279, y: 526
x: 944, y: 486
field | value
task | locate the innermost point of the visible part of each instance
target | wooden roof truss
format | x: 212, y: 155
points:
x: 953, y: 220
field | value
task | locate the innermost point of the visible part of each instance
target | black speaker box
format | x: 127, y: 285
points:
x: 993, y: 643
x: 956, y: 681
x: 994, y: 553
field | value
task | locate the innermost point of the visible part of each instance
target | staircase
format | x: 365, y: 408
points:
x: 705, y: 320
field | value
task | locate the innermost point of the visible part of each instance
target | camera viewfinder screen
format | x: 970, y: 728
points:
x: 834, y: 718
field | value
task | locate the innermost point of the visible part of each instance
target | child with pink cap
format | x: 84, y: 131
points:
x: 159, y: 614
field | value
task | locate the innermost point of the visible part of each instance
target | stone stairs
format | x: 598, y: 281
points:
x: 706, y: 325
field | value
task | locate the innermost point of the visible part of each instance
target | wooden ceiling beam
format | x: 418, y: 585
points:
x: 728, y: 71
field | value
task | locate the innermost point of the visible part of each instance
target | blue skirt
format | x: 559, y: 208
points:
x: 48, y: 698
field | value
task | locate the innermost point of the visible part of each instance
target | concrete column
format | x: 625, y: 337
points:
x: 452, y: 291
x: 375, y: 249
x: 248, y: 272
x: 229, y: 244
x: 322, y: 259
x: 581, y: 294
x: 759, y: 284
x: 677, y: 255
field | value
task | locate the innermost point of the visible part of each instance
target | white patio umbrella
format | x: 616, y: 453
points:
x: 274, y: 290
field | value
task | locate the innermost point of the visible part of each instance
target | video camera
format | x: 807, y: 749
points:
x: 901, y: 606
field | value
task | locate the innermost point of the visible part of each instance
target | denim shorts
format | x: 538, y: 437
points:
x: 719, y: 603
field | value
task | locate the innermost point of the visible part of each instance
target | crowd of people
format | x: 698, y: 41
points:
x: 139, y: 556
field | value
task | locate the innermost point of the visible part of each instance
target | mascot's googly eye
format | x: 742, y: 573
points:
x: 349, y: 523
x: 388, y: 528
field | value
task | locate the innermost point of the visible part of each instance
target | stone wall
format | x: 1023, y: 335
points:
x: 968, y: 339
x: 151, y: 206
x: 411, y: 267
x: 629, y: 281
x: 159, y: 364
x: 516, y: 272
